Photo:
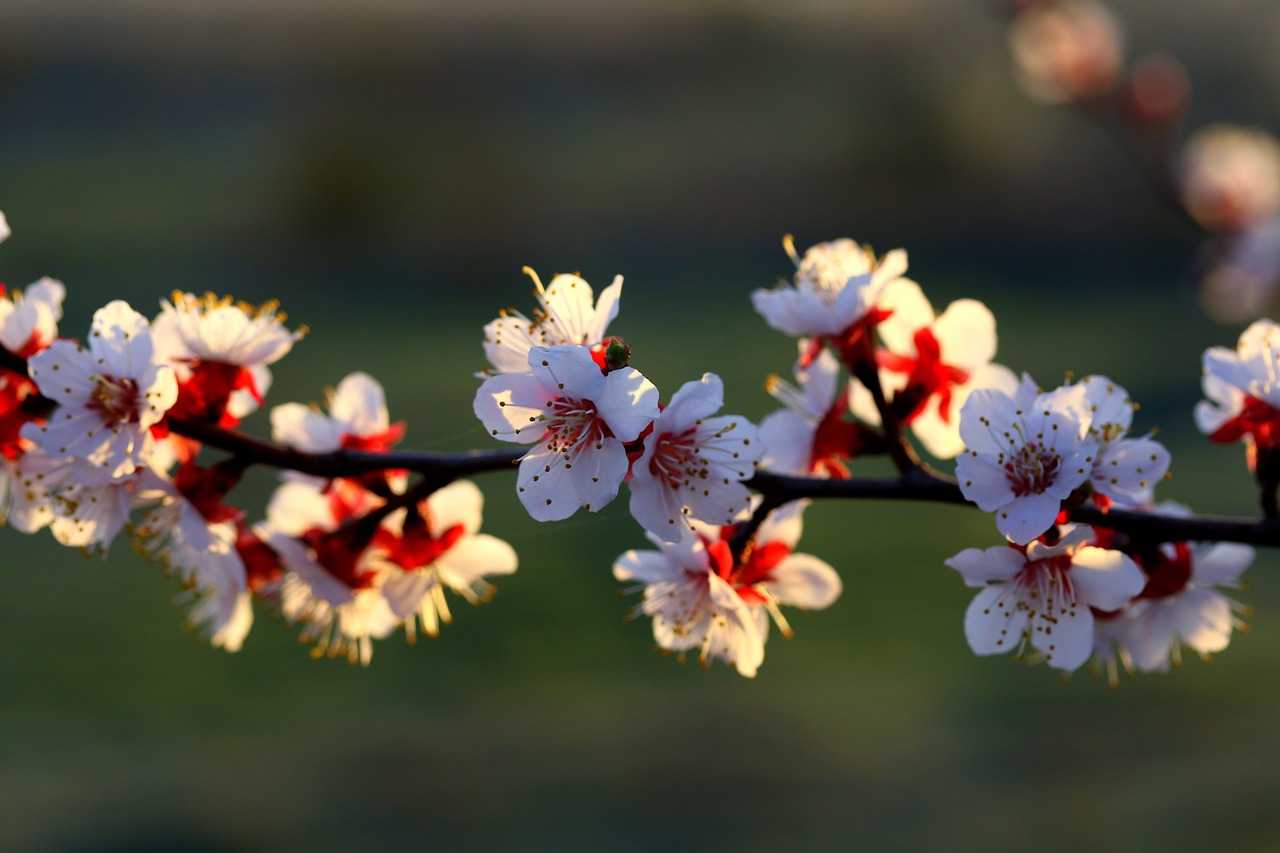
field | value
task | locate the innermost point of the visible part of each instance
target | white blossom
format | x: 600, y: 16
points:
x: 1042, y: 597
x: 109, y: 393
x: 579, y: 420
x: 704, y: 599
x: 837, y: 284
x: 1025, y: 454
x: 565, y: 316
x: 694, y: 463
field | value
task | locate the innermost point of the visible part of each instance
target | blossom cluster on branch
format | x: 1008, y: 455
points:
x: 361, y: 540
x: 135, y: 430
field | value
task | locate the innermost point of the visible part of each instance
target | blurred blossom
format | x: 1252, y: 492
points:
x: 1158, y: 90
x: 1066, y: 51
x: 1242, y: 280
x: 1231, y: 177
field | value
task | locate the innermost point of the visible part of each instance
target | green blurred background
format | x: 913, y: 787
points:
x: 385, y: 168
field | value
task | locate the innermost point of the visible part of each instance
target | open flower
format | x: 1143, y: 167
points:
x: 1124, y: 470
x: 1025, y: 454
x: 565, y: 316
x: 194, y: 535
x: 579, y: 420
x: 837, y: 285
x: 357, y: 419
x: 29, y: 317
x: 438, y: 546
x: 1243, y: 387
x: 693, y: 463
x: 930, y: 364
x: 109, y: 394
x: 332, y: 579
x: 812, y: 436
x: 220, y: 350
x: 1181, y: 604
x: 701, y: 597
x: 1042, y: 596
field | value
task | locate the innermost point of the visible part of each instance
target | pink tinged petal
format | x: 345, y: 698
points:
x: 231, y: 625
x: 716, y: 503
x: 1027, y: 517
x: 993, y: 623
x: 296, y: 507
x: 459, y: 503
x: 890, y: 267
x: 360, y: 403
x: 606, y: 311
x: 1105, y: 579
x: 1203, y: 619
x: 785, y: 524
x: 629, y: 402
x: 657, y: 508
x: 64, y: 373
x: 120, y: 339
x: 1221, y: 563
x: 819, y: 382
x: 695, y: 400
x: 511, y: 407
x: 800, y: 312
x: 507, y: 343
x: 568, y: 302
x: 736, y: 638
x: 1151, y: 635
x: 647, y: 567
x: 787, y: 441
x: 296, y: 558
x: 984, y: 420
x: 1130, y: 469
x: 980, y: 568
x: 966, y: 333
x: 405, y: 591
x: 1259, y: 335
x: 545, y: 487
x: 1075, y: 537
x: 568, y: 371
x: 1229, y: 400
x: 304, y: 428
x: 158, y: 398
x: 911, y: 312
x: 941, y: 437
x: 474, y: 558
x: 983, y: 483
x: 1227, y: 367
x: 1066, y: 640
x: 1109, y: 403
x: 802, y: 580
x: 851, y: 305
x: 597, y: 474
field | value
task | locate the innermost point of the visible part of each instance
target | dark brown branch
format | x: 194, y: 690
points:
x: 347, y: 463
x: 925, y: 486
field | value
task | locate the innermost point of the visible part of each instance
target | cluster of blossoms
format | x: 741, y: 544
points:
x: 1074, y: 593
x: 360, y: 541
x: 107, y: 432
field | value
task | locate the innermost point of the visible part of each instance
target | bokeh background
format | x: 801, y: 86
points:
x: 385, y: 168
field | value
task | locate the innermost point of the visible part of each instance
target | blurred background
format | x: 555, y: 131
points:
x: 385, y: 168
